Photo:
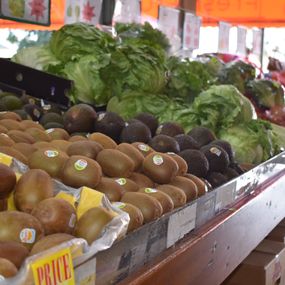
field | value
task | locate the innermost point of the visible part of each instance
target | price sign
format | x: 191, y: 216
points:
x: 26, y: 11
x: 191, y: 31
x: 224, y: 37
x: 256, y: 41
x: 127, y: 11
x: 169, y: 21
x: 241, y: 40
x: 87, y: 11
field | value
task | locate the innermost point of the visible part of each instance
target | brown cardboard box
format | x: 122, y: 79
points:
x: 264, y: 266
x: 282, y: 223
x: 277, y: 234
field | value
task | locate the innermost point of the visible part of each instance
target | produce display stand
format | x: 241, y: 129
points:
x: 229, y: 223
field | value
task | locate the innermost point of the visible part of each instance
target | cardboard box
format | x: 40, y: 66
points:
x: 282, y: 223
x: 264, y: 266
x: 277, y: 234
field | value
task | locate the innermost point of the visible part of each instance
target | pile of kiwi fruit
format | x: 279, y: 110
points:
x: 145, y: 168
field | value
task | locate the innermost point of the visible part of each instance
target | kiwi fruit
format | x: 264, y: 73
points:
x: 20, y: 227
x: 26, y: 124
x: 10, y: 103
x: 127, y: 184
x: 182, y: 165
x: 50, y: 160
x: 197, y: 162
x: 21, y: 137
x: 38, y: 134
x: 135, y: 214
x: 103, y: 140
x: 43, y: 145
x: 216, y: 179
x: 143, y: 148
x: 176, y: 194
x: 142, y: 180
x: 3, y: 205
x: 149, y: 206
x: 170, y: 129
x: 114, y: 163
x: 111, y: 188
x: 136, y: 132
x: 187, y: 185
x: 79, y: 118
x: 202, y: 135
x: 60, y: 144
x: 201, y: 185
x: 34, y: 111
x: 53, y: 125
x: 25, y: 149
x: 3, y: 130
x: 134, y: 154
x: 14, y: 153
x: 165, y: 201
x: 226, y: 146
x: 51, y: 118
x: 164, y: 143
x: 148, y: 119
x: 244, y: 167
x: 160, y: 167
x: 10, y: 124
x: 81, y: 171
x: 186, y: 142
x: 57, y: 134
x: 5, y: 140
x: 7, y: 181
x: 50, y: 241
x: 33, y: 186
x: 92, y: 223
x: 10, y: 115
x: 217, y: 157
x: 77, y: 138
x: 7, y: 268
x: 14, y: 252
x: 56, y: 215
x: 110, y: 124
x: 86, y: 148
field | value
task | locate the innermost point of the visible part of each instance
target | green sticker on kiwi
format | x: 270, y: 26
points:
x: 80, y: 164
x: 157, y: 159
x: 121, y: 181
x: 150, y: 190
x: 51, y: 153
x: 143, y: 147
x: 119, y: 205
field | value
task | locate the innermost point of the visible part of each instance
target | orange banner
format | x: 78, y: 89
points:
x: 150, y: 7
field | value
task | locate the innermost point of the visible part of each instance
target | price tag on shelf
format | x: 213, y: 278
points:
x: 29, y: 11
x: 180, y: 224
x: 241, y: 40
x: 191, y: 31
x: 225, y: 196
x: 87, y: 11
x: 224, y: 37
x: 85, y: 274
x: 127, y: 11
x: 256, y: 41
x: 169, y: 21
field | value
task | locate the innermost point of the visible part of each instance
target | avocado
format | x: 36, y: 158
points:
x: 148, y: 119
x: 53, y: 125
x: 202, y: 135
x: 230, y: 173
x: 51, y: 118
x: 186, y: 142
x: 136, y: 132
x: 216, y: 179
x: 170, y: 129
x: 10, y: 103
x: 164, y: 143
x: 226, y: 146
x: 34, y: 111
x: 197, y: 162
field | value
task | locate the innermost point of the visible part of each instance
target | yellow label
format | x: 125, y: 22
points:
x: 11, y: 203
x: 67, y: 197
x: 54, y: 269
x: 6, y: 159
x: 89, y: 199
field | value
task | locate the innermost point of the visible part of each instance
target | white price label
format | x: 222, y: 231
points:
x: 169, y: 21
x: 180, y: 224
x: 224, y: 37
x: 241, y: 40
x: 87, y: 11
x: 225, y: 196
x: 256, y: 41
x: 191, y: 31
x: 85, y: 274
x: 127, y: 11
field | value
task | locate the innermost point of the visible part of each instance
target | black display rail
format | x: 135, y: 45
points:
x: 35, y: 83
x: 150, y: 241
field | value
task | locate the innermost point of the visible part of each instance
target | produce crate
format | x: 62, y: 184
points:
x: 149, y: 241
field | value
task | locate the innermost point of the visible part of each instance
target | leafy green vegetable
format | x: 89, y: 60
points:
x: 76, y: 40
x: 146, y: 34
x: 212, y: 63
x: 38, y: 57
x: 187, y: 78
x: 220, y: 107
x: 237, y: 73
x: 266, y: 93
x: 253, y: 142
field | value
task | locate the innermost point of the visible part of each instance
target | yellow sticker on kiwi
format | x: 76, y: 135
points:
x: 51, y: 153
x: 121, y: 181
x: 150, y: 190
x: 10, y: 203
x: 157, y: 159
x: 67, y: 197
x: 80, y: 164
x: 6, y: 159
